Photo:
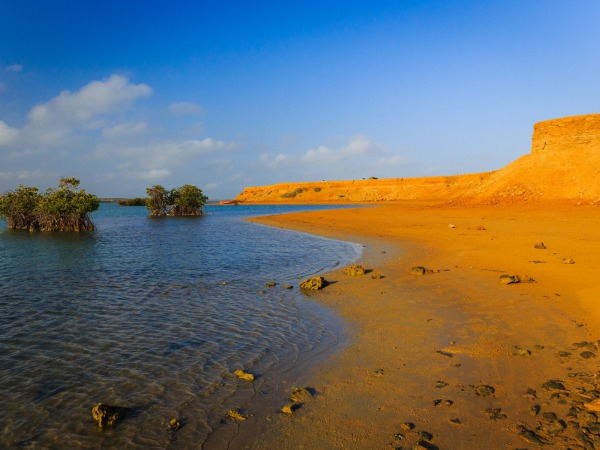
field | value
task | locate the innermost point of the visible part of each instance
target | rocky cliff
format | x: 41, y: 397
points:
x: 564, y: 164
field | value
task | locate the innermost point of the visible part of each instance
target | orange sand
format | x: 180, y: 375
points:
x: 401, y: 320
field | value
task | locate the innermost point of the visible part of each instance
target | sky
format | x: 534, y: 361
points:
x: 227, y: 94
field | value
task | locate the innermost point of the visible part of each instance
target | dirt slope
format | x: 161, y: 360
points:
x: 564, y: 164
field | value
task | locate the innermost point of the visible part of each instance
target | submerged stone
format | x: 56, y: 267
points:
x: 108, y: 415
x: 290, y: 408
x: 301, y: 395
x: 243, y: 375
x: 234, y: 414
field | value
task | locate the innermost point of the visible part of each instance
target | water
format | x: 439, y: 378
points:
x: 155, y: 314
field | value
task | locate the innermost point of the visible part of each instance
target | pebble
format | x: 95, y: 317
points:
x: 587, y: 355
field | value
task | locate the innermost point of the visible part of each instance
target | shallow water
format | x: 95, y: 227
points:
x: 155, y: 315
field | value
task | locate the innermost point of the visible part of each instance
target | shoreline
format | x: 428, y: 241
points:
x: 438, y: 338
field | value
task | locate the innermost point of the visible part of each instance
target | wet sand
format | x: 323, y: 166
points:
x: 454, y: 359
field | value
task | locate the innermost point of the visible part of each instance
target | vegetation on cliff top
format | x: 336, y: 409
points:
x: 186, y: 200
x: 65, y: 208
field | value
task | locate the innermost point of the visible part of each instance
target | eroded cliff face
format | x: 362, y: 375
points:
x: 564, y: 164
x: 571, y: 134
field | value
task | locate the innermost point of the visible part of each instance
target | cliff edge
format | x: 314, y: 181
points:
x: 564, y: 164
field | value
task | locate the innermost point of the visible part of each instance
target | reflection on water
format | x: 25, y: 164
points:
x: 153, y: 314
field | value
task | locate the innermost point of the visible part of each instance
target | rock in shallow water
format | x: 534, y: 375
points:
x: 107, y: 415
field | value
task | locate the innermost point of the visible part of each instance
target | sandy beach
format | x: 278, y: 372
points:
x: 455, y: 359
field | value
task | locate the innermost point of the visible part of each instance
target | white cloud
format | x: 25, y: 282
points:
x: 21, y: 175
x: 152, y: 174
x: 124, y: 129
x: 72, y: 113
x: 185, y: 109
x: 96, y: 98
x: 8, y: 135
x: 15, y: 68
x: 358, y: 146
x: 158, y: 160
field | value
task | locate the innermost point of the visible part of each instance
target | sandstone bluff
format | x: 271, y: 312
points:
x: 564, y: 164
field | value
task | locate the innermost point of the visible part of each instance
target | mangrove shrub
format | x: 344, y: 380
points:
x: 186, y: 200
x: 66, y: 208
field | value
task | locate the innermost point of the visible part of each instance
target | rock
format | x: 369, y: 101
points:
x: 301, y: 395
x: 174, y: 424
x: 451, y: 225
x: 563, y: 354
x: 407, y: 426
x: 376, y: 276
x: 107, y: 415
x: 354, y: 270
x: 480, y: 228
x: 554, y: 385
x: 419, y: 270
x: 530, y: 436
x: 534, y: 410
x: 288, y: 286
x: 445, y: 353
x: 290, y: 408
x: 495, y: 413
x: 521, y: 352
x: 235, y: 414
x: 440, y: 384
x: 243, y: 375
x: 425, y: 435
x: 540, y: 246
x: 483, y: 390
x: 271, y: 284
x: 378, y: 372
x: 587, y: 355
x: 568, y: 261
x: 586, y: 344
x: 509, y: 279
x: 551, y: 425
x: 313, y: 284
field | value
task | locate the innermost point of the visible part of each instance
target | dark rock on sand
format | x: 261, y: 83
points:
x: 530, y: 436
x: 534, y: 410
x: 440, y: 384
x: 554, y: 385
x: 483, y: 390
x: 313, y: 284
x: 107, y: 415
x: 587, y: 355
x: 540, y: 246
x: 563, y: 354
x: 495, y: 413
x: 425, y: 435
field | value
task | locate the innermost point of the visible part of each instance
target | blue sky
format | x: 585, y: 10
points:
x: 223, y: 95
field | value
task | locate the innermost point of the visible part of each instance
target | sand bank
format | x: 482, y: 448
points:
x: 462, y: 359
